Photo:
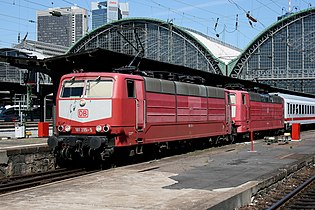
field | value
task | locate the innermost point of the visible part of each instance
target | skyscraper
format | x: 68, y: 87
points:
x: 107, y: 11
x: 61, y: 26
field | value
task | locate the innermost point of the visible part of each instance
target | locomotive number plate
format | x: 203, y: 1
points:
x: 83, y: 130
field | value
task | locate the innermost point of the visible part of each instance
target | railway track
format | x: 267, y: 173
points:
x: 22, y: 182
x: 297, y: 191
x: 303, y: 197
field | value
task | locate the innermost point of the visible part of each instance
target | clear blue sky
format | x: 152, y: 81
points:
x: 16, y: 16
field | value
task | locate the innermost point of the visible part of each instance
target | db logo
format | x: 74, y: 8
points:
x: 83, y: 113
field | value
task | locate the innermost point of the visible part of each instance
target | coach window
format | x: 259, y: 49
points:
x: 300, y: 109
x: 289, y: 108
x: 131, y: 88
x: 305, y: 109
x: 293, y: 111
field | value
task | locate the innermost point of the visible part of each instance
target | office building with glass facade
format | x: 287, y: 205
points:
x: 61, y: 26
x: 107, y: 11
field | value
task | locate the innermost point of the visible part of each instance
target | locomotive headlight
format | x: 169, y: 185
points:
x: 98, y: 128
x: 67, y: 128
x: 107, y: 128
x: 82, y: 102
x: 60, y: 128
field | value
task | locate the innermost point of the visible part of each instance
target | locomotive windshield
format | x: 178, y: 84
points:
x: 88, y: 89
x: 72, y: 89
x: 99, y: 88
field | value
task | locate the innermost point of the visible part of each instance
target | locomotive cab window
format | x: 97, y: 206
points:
x: 131, y: 89
x: 72, y: 89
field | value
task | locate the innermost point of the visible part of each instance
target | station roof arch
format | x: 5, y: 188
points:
x: 160, y: 41
x: 282, y: 55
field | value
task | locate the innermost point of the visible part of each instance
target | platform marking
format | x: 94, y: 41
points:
x: 28, y: 145
x: 285, y: 156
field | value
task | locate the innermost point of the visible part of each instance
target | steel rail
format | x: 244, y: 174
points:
x: 291, y: 194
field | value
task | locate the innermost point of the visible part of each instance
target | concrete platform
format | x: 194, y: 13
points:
x: 10, y: 143
x: 217, y: 178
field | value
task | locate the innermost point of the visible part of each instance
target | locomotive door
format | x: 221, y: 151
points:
x: 140, y: 115
x: 245, y: 104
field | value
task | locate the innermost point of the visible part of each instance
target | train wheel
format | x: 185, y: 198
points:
x: 60, y: 161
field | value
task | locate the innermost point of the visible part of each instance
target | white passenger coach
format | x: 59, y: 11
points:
x: 298, y: 109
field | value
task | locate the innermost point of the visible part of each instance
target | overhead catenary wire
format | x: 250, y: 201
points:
x: 206, y: 18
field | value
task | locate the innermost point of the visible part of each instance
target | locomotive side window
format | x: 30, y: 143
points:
x: 232, y: 99
x: 243, y: 99
x: 99, y: 88
x: 72, y: 89
x: 131, y: 89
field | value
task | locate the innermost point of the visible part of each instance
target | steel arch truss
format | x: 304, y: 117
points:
x: 283, y: 54
x: 154, y: 40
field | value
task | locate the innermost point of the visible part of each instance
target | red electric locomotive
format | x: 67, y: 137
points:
x: 256, y: 113
x: 99, y: 114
